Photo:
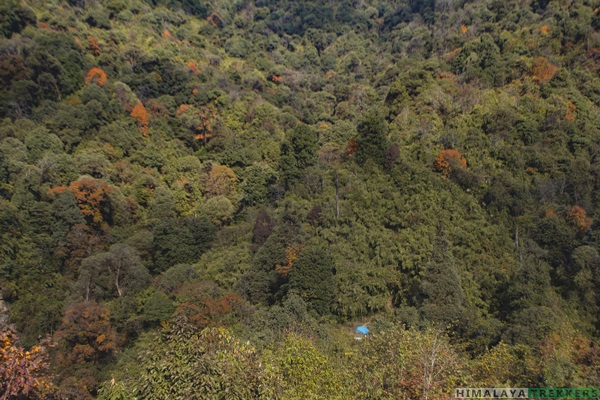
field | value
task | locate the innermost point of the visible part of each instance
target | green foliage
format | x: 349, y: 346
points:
x: 182, y: 242
x: 297, y: 370
x: 298, y: 152
x: 14, y: 17
x: 312, y: 278
x: 405, y: 364
x: 290, y: 158
x: 206, y: 364
x: 371, y: 140
x: 443, y: 296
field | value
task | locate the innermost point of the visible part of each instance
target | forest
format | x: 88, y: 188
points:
x: 202, y: 199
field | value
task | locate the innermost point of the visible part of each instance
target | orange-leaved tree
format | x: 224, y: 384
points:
x: 205, y: 128
x: 141, y: 116
x: 193, y: 67
x: 94, y: 46
x: 542, y: 70
x: 96, y: 75
x: 91, y: 196
x: 205, y: 304
x: 291, y: 253
x: 23, y: 374
x: 449, y: 160
x: 578, y: 216
x: 84, y: 339
x: 352, y: 147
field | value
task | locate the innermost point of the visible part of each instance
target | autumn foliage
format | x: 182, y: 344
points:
x: 352, y: 147
x: 22, y: 373
x: 203, y: 305
x: 291, y: 253
x: 221, y: 182
x: 91, y: 196
x: 205, y: 128
x: 449, y: 160
x: 141, y: 116
x: 85, y: 334
x: 543, y: 70
x: 96, y: 75
x: 93, y: 45
x: 570, y: 113
x: 193, y: 67
x: 579, y: 218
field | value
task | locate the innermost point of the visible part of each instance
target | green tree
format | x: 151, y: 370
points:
x: 181, y: 242
x: 296, y: 369
x: 371, y: 140
x: 119, y: 272
x: 298, y: 152
x: 183, y: 362
x: 312, y: 278
x: 443, y: 298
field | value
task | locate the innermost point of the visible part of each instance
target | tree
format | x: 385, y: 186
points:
x: 119, y: 269
x: 257, y: 179
x: 565, y: 357
x: 443, y: 299
x: 181, y: 242
x: 23, y: 373
x: 140, y: 115
x: 93, y: 45
x: 449, y: 160
x: 371, y: 140
x: 183, y: 362
x: 80, y: 242
x: 542, y: 70
x: 291, y: 253
x: 495, y: 367
x: 296, y: 369
x: 14, y: 17
x: 298, y: 152
x: 405, y: 364
x: 92, y: 198
x: 85, y: 334
x: 205, y: 304
x: 579, y: 218
x: 221, y: 181
x: 311, y: 277
x: 96, y: 75
x: 85, y: 340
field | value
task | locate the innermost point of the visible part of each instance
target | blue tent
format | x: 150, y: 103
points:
x: 362, y: 329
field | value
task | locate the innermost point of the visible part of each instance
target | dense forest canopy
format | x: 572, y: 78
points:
x: 216, y: 193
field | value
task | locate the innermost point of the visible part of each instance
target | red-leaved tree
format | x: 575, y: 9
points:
x: 23, y: 373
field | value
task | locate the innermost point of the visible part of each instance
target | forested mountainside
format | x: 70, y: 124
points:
x: 203, y: 199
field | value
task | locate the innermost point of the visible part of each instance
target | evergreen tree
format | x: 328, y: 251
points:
x: 298, y: 152
x: 372, y: 140
x: 311, y: 277
x: 443, y: 299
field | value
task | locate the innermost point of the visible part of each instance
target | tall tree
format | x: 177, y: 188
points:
x: 181, y: 242
x: 371, y: 141
x: 311, y: 277
x: 298, y: 152
x: 443, y: 298
x: 117, y: 271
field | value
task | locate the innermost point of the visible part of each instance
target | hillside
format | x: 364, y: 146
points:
x: 216, y: 193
